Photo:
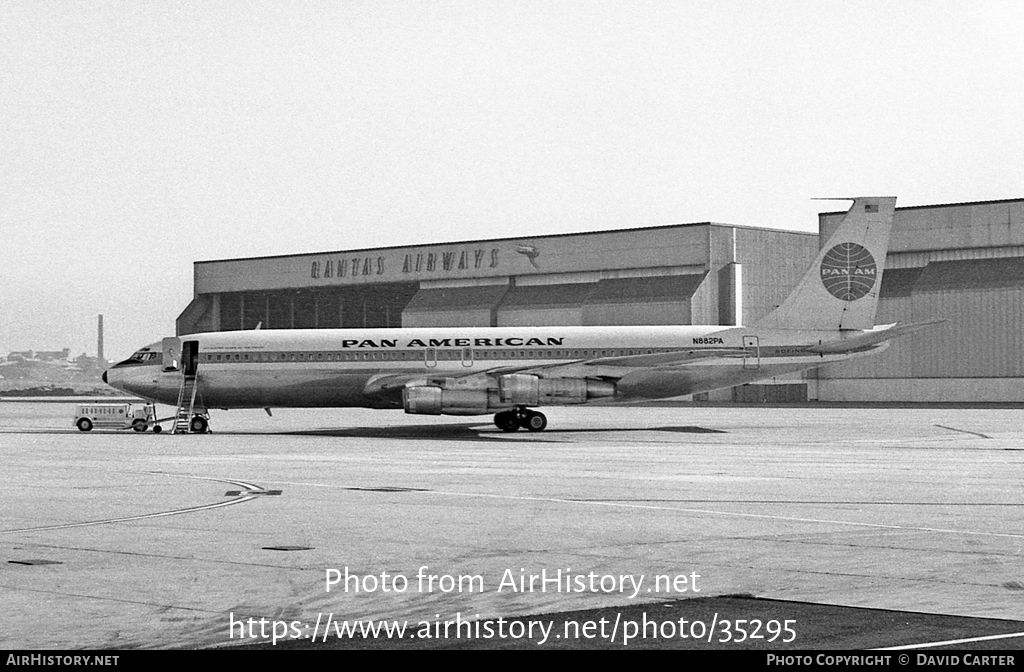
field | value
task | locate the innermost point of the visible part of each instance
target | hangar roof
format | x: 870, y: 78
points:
x: 638, y: 229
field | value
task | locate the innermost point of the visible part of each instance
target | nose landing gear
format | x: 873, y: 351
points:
x: 520, y: 416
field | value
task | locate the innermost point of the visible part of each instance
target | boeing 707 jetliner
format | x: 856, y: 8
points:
x: 510, y: 371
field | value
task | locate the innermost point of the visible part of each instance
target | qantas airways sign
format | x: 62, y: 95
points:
x: 413, y: 263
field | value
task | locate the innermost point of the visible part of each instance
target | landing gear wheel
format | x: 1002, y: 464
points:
x: 84, y: 425
x: 198, y: 425
x: 507, y: 421
x: 534, y: 421
x: 139, y: 425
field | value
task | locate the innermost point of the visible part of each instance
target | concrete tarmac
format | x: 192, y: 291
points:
x: 126, y: 540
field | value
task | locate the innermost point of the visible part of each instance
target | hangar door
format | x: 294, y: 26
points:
x: 650, y: 300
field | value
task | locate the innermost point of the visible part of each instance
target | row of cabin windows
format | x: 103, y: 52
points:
x: 463, y: 354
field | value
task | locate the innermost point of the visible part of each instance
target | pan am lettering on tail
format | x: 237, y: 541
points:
x: 828, y: 317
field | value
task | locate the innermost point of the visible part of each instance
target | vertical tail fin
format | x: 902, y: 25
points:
x: 840, y: 291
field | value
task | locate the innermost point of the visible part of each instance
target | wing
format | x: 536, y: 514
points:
x: 389, y: 386
x: 675, y: 358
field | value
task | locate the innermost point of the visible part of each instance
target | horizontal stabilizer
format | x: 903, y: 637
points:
x: 872, y: 337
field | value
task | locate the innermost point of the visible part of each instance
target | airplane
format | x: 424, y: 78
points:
x: 511, y: 371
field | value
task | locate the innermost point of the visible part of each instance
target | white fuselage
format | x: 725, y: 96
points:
x: 362, y: 367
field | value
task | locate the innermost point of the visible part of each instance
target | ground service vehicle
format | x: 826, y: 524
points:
x: 138, y: 417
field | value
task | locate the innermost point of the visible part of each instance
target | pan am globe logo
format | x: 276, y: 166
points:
x: 848, y: 271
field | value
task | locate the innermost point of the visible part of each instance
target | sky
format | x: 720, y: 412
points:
x: 139, y: 137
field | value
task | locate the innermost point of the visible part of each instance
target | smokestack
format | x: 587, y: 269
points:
x: 99, y: 340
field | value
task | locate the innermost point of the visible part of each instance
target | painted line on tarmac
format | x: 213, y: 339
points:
x: 649, y: 507
x: 160, y: 514
x: 762, y: 516
x: 950, y: 642
x: 965, y: 431
x: 232, y: 481
x: 252, y: 491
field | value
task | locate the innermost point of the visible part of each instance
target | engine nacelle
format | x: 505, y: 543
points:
x: 432, y: 400
x: 515, y: 389
x: 521, y: 389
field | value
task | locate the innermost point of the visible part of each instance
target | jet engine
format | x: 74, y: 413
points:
x: 521, y: 389
x: 509, y: 391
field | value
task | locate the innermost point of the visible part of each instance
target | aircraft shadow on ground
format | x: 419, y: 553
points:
x: 475, y: 431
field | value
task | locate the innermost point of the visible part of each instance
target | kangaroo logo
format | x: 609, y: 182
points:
x: 531, y: 253
x: 848, y: 271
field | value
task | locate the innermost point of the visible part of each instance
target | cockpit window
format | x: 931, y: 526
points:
x: 140, y: 357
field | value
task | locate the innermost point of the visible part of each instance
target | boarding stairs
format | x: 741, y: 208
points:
x: 187, y: 406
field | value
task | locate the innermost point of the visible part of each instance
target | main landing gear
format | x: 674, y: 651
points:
x: 510, y: 421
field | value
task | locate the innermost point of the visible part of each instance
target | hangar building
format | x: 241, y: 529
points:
x: 963, y: 263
